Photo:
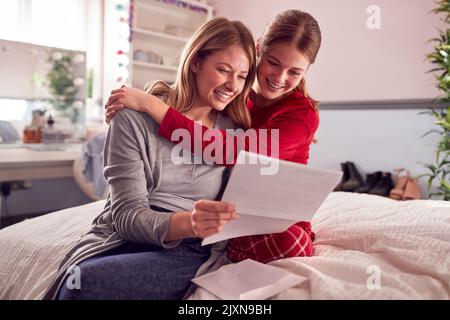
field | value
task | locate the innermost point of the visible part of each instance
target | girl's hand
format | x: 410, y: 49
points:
x: 111, y: 110
x: 208, y: 217
x: 132, y: 98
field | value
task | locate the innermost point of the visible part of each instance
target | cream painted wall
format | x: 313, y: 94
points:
x: 355, y: 63
x: 374, y: 67
x: 374, y: 140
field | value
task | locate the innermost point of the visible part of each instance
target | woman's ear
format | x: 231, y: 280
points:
x: 195, y: 64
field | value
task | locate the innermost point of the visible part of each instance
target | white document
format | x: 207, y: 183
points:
x: 247, y: 280
x: 271, y: 194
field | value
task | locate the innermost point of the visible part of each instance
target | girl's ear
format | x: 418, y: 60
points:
x: 258, y: 47
x: 195, y: 64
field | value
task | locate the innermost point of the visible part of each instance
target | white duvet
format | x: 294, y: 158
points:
x: 366, y: 247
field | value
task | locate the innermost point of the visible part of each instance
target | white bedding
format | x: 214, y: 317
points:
x: 356, y: 236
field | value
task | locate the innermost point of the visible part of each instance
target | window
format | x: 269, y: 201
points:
x: 45, y: 22
x: 10, y: 28
x: 13, y: 109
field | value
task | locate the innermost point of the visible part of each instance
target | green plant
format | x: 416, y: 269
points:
x: 61, y: 84
x: 440, y: 58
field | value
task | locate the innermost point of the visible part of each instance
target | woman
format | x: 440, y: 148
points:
x: 279, y: 100
x: 146, y: 242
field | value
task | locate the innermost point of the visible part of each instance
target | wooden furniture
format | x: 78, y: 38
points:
x: 22, y: 162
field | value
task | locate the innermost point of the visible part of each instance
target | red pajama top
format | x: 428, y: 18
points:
x: 294, y: 116
x: 297, y: 121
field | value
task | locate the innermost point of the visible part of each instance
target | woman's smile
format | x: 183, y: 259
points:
x: 274, y: 86
x: 222, y: 96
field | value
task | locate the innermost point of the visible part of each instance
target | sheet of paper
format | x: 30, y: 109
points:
x: 269, y: 203
x: 247, y: 280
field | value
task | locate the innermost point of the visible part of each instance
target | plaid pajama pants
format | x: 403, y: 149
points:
x: 296, y: 241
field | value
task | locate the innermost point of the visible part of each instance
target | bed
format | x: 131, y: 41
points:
x: 366, y: 247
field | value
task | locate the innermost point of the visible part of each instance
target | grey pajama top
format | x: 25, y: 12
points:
x: 140, y: 172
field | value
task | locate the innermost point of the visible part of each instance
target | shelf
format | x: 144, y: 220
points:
x: 155, y: 66
x: 198, y: 4
x: 163, y: 27
x: 160, y: 35
x: 163, y: 10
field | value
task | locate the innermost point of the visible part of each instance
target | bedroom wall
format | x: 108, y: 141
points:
x: 374, y: 140
x: 376, y: 135
x: 357, y: 62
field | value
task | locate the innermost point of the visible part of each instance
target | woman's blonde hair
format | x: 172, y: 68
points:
x: 299, y: 28
x: 215, y: 35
